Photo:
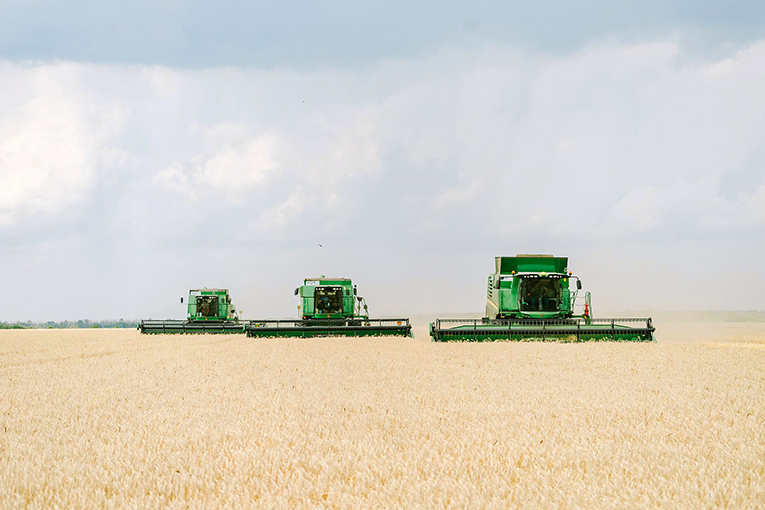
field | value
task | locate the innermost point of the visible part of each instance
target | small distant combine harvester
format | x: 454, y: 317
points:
x: 209, y: 311
x: 329, y: 307
x: 529, y: 298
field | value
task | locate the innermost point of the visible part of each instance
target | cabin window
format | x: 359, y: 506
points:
x: 329, y: 300
x: 207, y: 306
x: 540, y: 295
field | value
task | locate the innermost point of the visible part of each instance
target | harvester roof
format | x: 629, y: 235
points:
x: 324, y: 280
x: 531, y: 264
x: 212, y: 291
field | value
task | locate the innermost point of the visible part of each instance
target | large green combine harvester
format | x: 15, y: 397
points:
x: 329, y: 307
x: 530, y: 298
x: 208, y: 311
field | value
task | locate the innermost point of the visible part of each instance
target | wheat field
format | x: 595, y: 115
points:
x: 114, y: 419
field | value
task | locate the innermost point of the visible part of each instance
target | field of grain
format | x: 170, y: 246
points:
x: 115, y: 419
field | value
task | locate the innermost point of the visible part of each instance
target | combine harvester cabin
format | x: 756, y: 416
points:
x: 530, y: 298
x: 329, y: 307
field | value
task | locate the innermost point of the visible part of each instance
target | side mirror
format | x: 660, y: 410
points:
x: 355, y: 290
x: 181, y: 300
x: 578, y: 284
x: 296, y: 291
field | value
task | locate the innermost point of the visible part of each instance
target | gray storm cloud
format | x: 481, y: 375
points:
x: 124, y: 185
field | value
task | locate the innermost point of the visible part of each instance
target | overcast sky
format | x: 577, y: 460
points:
x: 150, y: 149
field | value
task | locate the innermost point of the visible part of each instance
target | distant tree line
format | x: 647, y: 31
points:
x: 78, y: 324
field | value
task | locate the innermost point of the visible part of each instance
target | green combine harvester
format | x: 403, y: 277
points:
x: 329, y: 307
x: 529, y: 298
x: 209, y: 311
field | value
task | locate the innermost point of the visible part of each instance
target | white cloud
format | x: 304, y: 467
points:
x: 284, y: 213
x: 233, y: 168
x: 455, y: 195
x: 233, y: 163
x: 53, y: 141
x: 617, y: 126
x: 692, y: 205
x: 174, y: 178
